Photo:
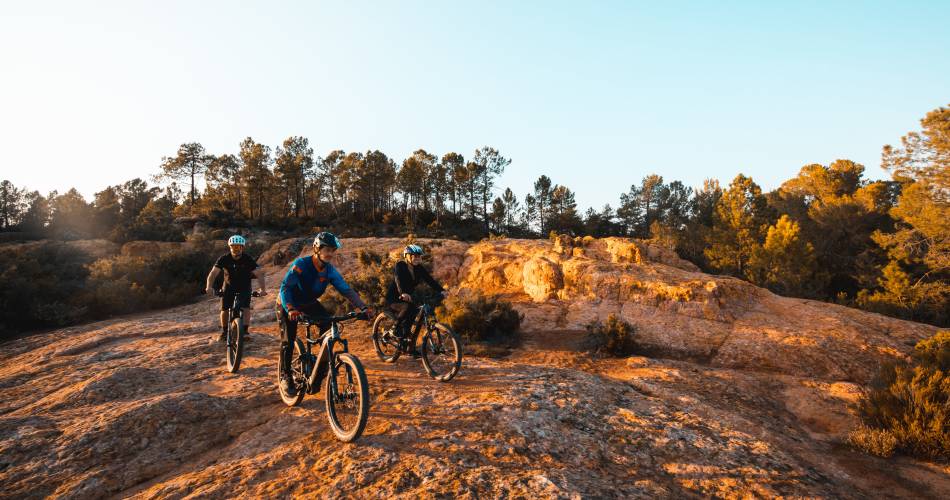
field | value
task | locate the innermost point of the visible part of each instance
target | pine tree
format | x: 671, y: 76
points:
x: 785, y: 263
x: 456, y: 174
x: 512, y: 208
x: 256, y: 176
x: 294, y: 167
x: 488, y: 165
x: 917, y: 278
x: 738, y: 226
x: 540, y: 203
x: 11, y: 205
x: 190, y: 163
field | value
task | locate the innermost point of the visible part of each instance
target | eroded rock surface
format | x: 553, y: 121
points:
x: 743, y: 393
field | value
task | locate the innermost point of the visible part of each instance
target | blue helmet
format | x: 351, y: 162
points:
x: 327, y: 239
x: 413, y: 250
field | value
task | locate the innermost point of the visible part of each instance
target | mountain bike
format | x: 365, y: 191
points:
x: 346, y: 389
x: 237, y: 328
x: 441, y: 347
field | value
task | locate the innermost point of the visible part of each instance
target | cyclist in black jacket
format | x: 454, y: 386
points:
x: 408, y: 273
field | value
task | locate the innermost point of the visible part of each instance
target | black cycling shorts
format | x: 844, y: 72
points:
x: 227, y: 299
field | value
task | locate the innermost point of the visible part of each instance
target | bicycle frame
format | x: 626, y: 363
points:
x: 235, y: 311
x: 425, y: 316
x: 326, y: 357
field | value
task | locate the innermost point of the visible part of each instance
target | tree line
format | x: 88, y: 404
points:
x: 828, y: 233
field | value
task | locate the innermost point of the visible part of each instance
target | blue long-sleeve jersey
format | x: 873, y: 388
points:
x: 304, y: 284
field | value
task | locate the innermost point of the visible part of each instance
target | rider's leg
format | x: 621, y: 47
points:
x: 413, y: 332
x: 399, y: 308
x: 288, y: 334
x: 245, y: 304
x: 227, y: 299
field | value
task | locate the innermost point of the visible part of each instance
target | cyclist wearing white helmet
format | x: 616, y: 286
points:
x: 239, y: 268
x: 408, y: 274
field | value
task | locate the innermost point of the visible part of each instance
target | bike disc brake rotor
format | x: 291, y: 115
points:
x: 346, y: 399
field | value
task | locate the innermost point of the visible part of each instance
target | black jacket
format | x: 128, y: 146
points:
x: 407, y: 278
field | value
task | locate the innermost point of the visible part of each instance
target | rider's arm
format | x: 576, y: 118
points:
x: 213, y: 275
x: 430, y: 280
x: 399, y: 285
x: 260, y: 279
x: 291, y: 281
x: 257, y: 273
x: 336, y: 279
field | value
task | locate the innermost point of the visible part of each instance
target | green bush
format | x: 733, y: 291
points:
x: 912, y: 400
x: 52, y: 284
x: 615, y: 336
x: 879, y: 442
x: 41, y: 287
x: 126, y: 284
x: 934, y: 352
x: 370, y: 281
x: 481, y: 317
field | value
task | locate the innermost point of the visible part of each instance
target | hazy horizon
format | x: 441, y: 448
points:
x: 594, y: 96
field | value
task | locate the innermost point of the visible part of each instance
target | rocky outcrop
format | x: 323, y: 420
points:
x: 679, y: 312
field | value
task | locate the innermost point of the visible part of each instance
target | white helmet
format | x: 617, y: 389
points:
x: 413, y: 250
x: 237, y: 239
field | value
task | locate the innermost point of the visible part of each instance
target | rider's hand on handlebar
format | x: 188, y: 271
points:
x: 367, y: 313
x: 405, y: 297
x: 261, y: 292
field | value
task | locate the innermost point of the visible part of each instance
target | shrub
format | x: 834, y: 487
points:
x: 615, y: 336
x: 912, y: 400
x: 935, y: 351
x: 481, y: 317
x: 41, y: 286
x: 873, y: 441
x: 371, y: 281
x: 126, y: 284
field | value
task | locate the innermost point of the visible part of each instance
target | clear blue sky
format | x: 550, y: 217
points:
x: 594, y: 95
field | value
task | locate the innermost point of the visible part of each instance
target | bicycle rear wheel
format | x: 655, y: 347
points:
x: 347, y: 398
x: 235, y: 344
x: 298, y: 375
x: 385, y: 339
x: 441, y: 353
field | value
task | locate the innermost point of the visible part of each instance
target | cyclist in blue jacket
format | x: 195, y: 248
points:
x: 303, y: 285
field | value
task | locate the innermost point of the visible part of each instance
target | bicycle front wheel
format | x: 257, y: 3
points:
x: 235, y: 345
x: 441, y: 353
x: 347, y: 397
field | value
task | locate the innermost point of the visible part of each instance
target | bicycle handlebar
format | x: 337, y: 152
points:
x: 308, y: 320
x: 219, y: 293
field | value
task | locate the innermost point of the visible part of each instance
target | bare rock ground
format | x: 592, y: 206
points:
x: 743, y: 393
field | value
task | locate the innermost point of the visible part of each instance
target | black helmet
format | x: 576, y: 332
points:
x: 327, y: 239
x: 413, y: 250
